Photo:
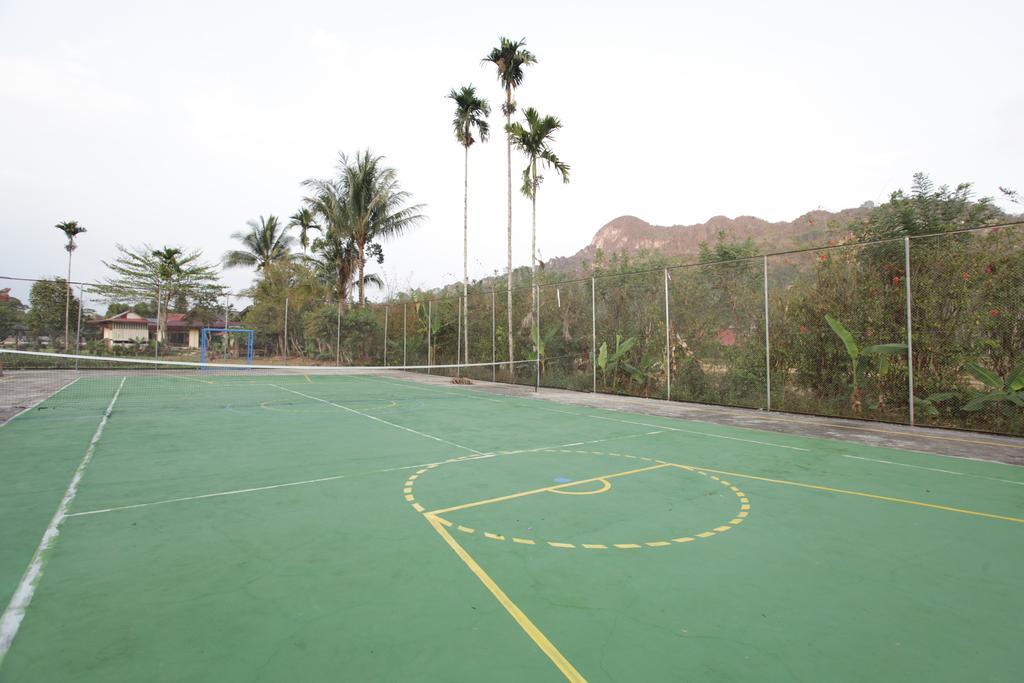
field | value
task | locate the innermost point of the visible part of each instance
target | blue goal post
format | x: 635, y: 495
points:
x: 204, y: 336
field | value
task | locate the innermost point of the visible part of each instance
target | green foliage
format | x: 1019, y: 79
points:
x: 855, y: 351
x: 471, y: 112
x: 46, y: 300
x: 266, y: 242
x: 12, y: 314
x: 1005, y: 394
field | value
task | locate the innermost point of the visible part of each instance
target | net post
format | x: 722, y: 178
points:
x: 494, y: 348
x: 405, y: 346
x: 593, y: 334
x: 385, y: 334
x: 668, y: 346
x: 285, y: 327
x: 430, y: 341
x: 767, y: 338
x: 910, y: 330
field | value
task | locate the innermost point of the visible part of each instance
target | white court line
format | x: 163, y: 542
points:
x: 675, y: 429
x: 256, y: 489
x: 379, y: 419
x: 15, y: 612
x: 36, y: 404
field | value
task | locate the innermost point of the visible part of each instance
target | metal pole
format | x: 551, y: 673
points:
x: 78, y: 330
x: 910, y: 330
x: 668, y: 346
x: 385, y: 335
x: 494, y: 348
x: 767, y: 341
x: 430, y: 315
x: 593, y: 334
x: 405, y: 317
x: 156, y: 352
x: 227, y: 323
x: 458, y: 342
x: 285, y: 329
x: 337, y: 338
x: 536, y: 341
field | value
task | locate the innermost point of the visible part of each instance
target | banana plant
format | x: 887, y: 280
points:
x: 643, y: 372
x: 1006, y: 393
x: 855, y: 351
x: 540, y: 345
x: 610, y: 362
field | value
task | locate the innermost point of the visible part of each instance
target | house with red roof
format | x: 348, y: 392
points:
x: 130, y: 328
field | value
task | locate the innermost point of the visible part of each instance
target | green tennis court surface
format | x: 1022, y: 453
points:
x: 369, y: 528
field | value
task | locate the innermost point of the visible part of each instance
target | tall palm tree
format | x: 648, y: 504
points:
x: 71, y: 229
x: 305, y: 220
x: 509, y: 58
x: 334, y: 254
x: 534, y: 141
x: 376, y: 205
x: 470, y: 112
x: 265, y: 243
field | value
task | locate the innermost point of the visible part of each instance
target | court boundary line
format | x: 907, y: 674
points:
x: 335, y: 477
x: 10, y: 620
x: 773, y: 416
x: 379, y: 419
x: 38, y: 403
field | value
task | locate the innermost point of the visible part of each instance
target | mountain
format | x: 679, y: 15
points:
x: 631, y: 235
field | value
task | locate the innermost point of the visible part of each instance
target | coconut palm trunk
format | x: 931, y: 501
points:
x: 465, y: 256
x: 508, y: 167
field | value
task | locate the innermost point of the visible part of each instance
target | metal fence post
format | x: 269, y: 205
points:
x: 767, y: 342
x: 910, y: 330
x: 593, y: 335
x: 385, y: 335
x: 668, y: 346
x: 227, y: 324
x: 430, y: 350
x: 494, y: 347
x: 285, y: 328
x: 337, y: 338
x: 405, y: 318
x: 536, y: 341
x: 78, y: 330
x: 458, y: 342
x: 156, y: 351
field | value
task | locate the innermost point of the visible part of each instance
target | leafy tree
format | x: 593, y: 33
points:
x: 470, y: 113
x: 926, y: 210
x: 266, y: 242
x: 163, y: 275
x: 71, y: 229
x: 48, y: 304
x: 12, y: 314
x: 509, y: 58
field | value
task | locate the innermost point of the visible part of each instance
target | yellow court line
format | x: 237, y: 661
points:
x: 192, y: 379
x: 548, y: 489
x: 308, y: 379
x: 861, y: 494
x: 535, y: 634
x: 605, y: 486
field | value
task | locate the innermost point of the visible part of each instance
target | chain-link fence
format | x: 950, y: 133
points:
x: 825, y: 331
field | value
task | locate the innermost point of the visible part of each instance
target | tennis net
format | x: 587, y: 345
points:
x: 35, y: 380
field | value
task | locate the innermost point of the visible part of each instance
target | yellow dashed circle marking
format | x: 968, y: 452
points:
x: 741, y: 515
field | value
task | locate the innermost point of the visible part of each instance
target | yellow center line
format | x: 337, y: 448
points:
x: 548, y: 489
x: 862, y: 494
x: 535, y: 634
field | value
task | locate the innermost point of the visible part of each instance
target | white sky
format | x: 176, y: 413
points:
x: 175, y: 122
